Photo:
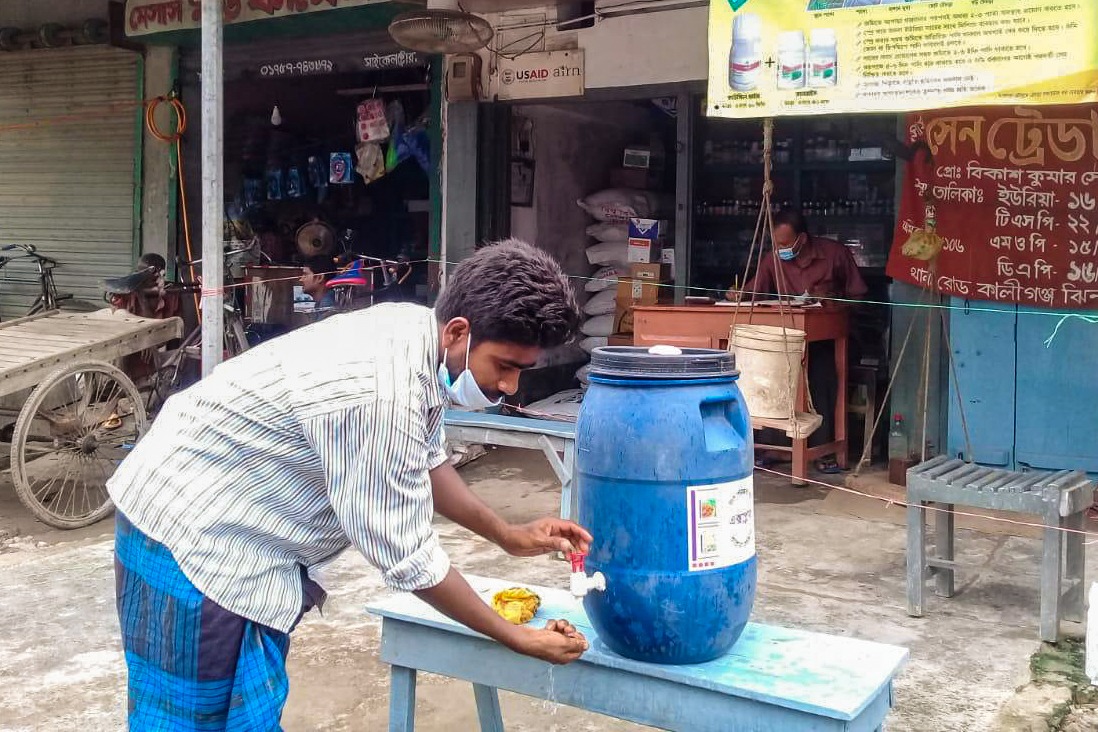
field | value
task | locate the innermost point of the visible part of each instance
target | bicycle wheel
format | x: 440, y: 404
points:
x: 170, y: 375
x: 72, y: 433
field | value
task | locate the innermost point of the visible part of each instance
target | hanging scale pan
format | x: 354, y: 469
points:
x: 315, y: 239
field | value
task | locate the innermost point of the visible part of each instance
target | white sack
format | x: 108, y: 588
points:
x: 590, y: 343
x: 605, y: 279
x: 583, y: 375
x: 601, y: 303
x: 618, y: 205
x: 600, y: 326
x: 609, y: 232
x: 608, y: 252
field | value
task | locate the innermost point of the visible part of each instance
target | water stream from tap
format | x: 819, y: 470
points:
x: 549, y: 704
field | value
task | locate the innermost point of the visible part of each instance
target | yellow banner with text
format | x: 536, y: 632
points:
x: 772, y: 58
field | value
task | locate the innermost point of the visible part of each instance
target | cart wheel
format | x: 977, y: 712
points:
x: 75, y: 428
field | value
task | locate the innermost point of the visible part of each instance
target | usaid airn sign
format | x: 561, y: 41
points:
x: 539, y: 76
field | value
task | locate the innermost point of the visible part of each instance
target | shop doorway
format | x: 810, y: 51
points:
x: 326, y: 153
x: 565, y: 163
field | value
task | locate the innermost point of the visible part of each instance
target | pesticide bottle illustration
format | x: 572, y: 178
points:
x: 745, y: 54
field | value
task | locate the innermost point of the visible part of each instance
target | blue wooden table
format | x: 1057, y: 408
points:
x: 774, y: 679
x: 557, y: 440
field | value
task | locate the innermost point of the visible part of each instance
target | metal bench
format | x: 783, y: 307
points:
x: 1059, y: 499
x: 773, y: 678
x: 556, y: 439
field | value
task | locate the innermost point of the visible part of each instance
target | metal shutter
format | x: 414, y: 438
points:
x: 67, y: 167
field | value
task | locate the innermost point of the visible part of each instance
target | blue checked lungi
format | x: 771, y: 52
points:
x: 193, y: 665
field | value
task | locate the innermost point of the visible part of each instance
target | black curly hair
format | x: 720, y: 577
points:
x: 511, y: 292
x: 321, y: 266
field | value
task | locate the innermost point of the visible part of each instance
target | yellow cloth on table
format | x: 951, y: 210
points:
x: 516, y: 605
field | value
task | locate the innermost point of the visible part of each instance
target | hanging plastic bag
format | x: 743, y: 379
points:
x: 413, y: 143
x: 371, y: 124
x: 318, y: 178
x: 274, y: 184
x: 371, y: 161
x: 392, y: 153
x: 341, y: 169
x: 394, y: 115
x: 295, y: 182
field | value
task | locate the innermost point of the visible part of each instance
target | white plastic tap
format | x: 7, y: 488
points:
x: 580, y: 583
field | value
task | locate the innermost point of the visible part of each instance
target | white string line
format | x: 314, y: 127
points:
x: 905, y: 504
x: 613, y: 281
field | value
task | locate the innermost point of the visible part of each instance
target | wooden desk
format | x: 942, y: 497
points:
x: 709, y: 327
x: 772, y: 679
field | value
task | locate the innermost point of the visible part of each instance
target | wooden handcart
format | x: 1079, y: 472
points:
x: 70, y: 414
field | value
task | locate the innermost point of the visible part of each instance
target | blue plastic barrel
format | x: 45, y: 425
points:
x: 664, y: 463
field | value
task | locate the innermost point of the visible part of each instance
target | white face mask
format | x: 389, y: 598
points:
x: 465, y: 391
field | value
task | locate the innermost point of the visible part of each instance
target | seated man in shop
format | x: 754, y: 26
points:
x: 315, y: 274
x: 820, y: 268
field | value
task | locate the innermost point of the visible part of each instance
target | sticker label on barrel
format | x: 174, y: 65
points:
x: 721, y: 528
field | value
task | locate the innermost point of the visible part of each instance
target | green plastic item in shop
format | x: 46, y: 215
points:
x: 391, y: 158
x: 737, y: 4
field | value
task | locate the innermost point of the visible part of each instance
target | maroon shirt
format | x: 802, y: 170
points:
x: 822, y: 268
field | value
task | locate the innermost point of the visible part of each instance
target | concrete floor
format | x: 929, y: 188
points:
x: 827, y: 563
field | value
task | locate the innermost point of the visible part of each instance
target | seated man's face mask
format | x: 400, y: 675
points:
x: 464, y: 391
x: 788, y: 254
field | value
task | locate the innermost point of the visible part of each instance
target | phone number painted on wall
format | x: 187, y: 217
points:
x: 298, y: 68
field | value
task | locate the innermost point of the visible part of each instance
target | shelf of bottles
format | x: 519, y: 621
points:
x: 747, y: 154
x: 836, y: 170
x: 845, y: 207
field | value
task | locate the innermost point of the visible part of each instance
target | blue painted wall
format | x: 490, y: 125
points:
x: 1027, y: 405
x: 1057, y: 418
x: 982, y: 336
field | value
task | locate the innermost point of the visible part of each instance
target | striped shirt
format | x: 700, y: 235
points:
x: 291, y: 452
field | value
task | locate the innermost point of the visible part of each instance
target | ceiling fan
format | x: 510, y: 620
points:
x: 441, y: 27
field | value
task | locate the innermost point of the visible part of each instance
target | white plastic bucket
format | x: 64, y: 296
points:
x: 769, y: 361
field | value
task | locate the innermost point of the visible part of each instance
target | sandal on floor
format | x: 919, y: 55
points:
x: 828, y: 466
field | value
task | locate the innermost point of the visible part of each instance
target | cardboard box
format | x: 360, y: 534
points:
x: 633, y: 292
x: 623, y: 319
x: 637, y: 292
x: 667, y: 257
x: 651, y: 229
x: 642, y: 251
x: 647, y: 239
x: 635, y: 178
x: 653, y: 272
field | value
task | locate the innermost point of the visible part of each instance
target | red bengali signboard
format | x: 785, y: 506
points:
x: 157, y: 16
x: 1015, y: 191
